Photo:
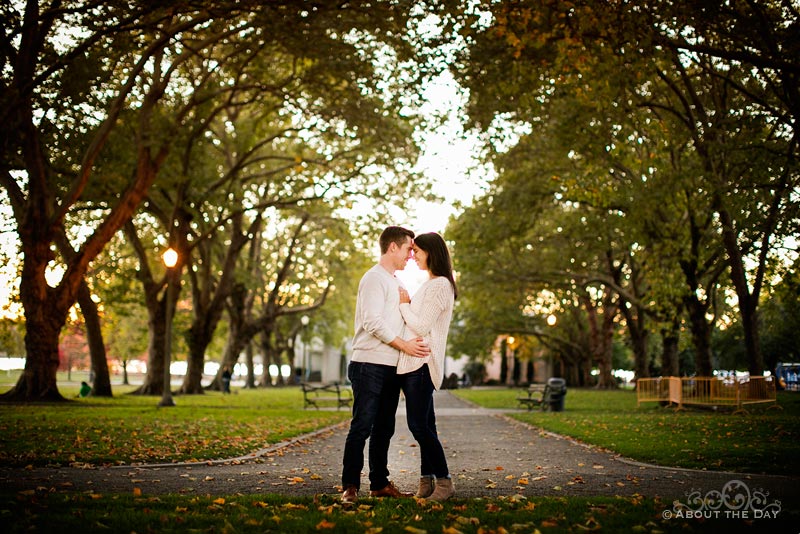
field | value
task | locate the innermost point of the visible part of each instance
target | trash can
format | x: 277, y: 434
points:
x: 557, y: 389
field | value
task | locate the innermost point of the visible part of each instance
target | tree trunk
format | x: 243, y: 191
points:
x: 748, y: 303
x: 267, y: 360
x: 155, y: 297
x: 516, y: 372
x: 101, y: 383
x: 639, y: 335
x: 669, y: 357
x: 233, y: 348
x: 249, y: 355
x: 154, y: 378
x: 45, y: 314
x: 602, y: 337
x: 701, y: 335
x: 752, y: 339
x: 38, y: 380
x: 199, y: 339
x: 503, y: 362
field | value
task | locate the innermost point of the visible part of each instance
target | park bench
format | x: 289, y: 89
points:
x: 536, y: 396
x: 318, y: 395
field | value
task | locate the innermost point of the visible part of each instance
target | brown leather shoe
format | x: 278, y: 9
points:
x: 350, y: 495
x: 390, y: 491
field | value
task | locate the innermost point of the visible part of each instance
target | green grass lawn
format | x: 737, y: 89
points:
x: 130, y: 429
x: 760, y: 441
x: 280, y: 514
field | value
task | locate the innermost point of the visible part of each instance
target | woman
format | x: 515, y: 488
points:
x: 428, y: 316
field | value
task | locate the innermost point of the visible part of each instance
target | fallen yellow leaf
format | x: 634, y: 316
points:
x: 325, y: 524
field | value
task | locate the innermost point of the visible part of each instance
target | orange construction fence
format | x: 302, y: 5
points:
x: 707, y: 391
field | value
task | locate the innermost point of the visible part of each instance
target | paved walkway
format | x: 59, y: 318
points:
x: 489, y: 455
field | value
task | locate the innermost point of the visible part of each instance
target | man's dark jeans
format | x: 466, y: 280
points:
x: 376, y: 393
x: 418, y: 389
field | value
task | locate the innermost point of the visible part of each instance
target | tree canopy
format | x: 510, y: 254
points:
x: 655, y: 168
x: 193, y: 118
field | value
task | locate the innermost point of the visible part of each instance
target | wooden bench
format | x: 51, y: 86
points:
x: 536, y: 397
x: 318, y: 395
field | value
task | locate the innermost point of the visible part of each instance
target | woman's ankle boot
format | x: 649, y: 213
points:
x: 444, y: 490
x: 425, y: 487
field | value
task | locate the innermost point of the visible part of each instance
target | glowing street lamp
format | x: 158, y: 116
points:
x: 170, y: 258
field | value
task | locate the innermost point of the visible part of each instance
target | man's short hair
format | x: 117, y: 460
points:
x: 394, y: 234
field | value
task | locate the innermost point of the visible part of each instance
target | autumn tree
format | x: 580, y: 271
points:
x: 69, y: 71
x: 682, y: 86
x: 75, y: 72
x: 303, y: 125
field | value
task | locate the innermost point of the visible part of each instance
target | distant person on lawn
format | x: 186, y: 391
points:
x: 377, y: 344
x: 226, y: 380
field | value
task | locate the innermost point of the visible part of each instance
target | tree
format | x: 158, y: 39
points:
x: 280, y: 138
x: 63, y: 98
x: 45, y: 78
x: 536, y: 59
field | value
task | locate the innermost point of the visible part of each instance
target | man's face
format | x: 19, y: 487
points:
x: 402, y: 253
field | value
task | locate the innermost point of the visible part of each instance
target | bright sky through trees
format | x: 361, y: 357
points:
x: 450, y: 158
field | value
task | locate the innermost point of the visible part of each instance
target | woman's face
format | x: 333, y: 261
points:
x: 421, y: 257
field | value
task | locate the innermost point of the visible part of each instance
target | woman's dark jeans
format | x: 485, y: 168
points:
x: 418, y: 389
x: 376, y: 393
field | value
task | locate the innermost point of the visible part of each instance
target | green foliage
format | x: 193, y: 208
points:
x: 12, y: 335
x: 640, y: 164
x: 762, y: 441
x: 214, y: 120
x: 780, y: 319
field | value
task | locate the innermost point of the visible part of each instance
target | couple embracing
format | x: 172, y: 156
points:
x: 399, y: 344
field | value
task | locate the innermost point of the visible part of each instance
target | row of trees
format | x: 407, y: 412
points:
x: 242, y: 134
x: 652, y: 187
x: 650, y: 184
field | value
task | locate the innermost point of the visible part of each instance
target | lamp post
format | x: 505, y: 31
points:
x: 513, y: 364
x: 304, y: 320
x: 170, y: 258
x: 551, y: 322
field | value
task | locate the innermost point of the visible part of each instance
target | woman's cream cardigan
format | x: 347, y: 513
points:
x: 428, y: 315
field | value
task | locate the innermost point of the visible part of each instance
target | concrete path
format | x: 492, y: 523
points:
x: 489, y: 455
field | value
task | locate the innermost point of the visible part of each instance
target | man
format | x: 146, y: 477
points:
x: 372, y: 371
